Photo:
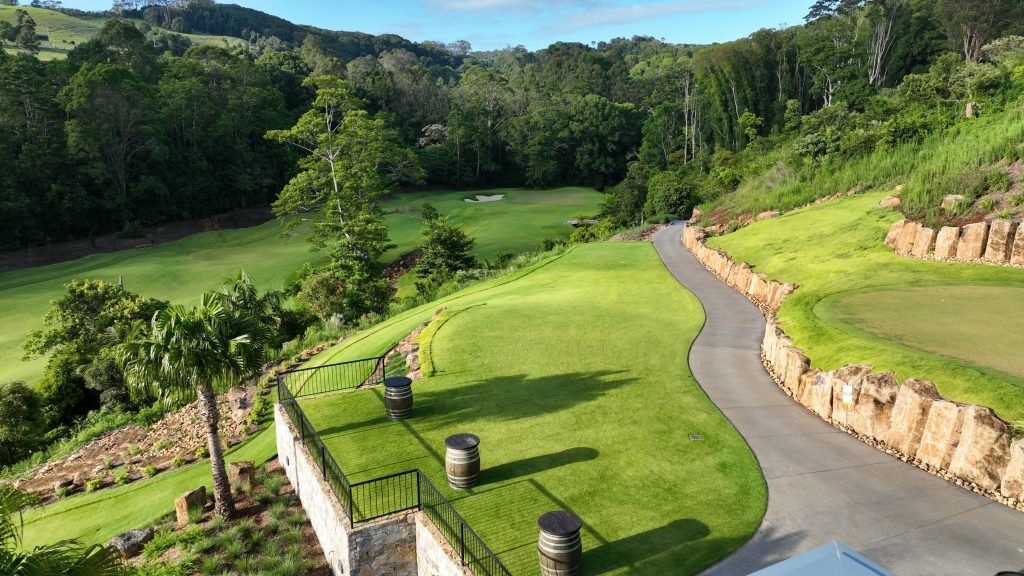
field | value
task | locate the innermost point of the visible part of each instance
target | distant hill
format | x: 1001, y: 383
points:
x: 65, y: 31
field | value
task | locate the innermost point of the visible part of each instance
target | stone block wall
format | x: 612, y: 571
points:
x: 1000, y: 243
x: 965, y: 444
x: 403, y: 544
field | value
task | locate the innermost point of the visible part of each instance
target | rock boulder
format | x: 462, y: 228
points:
x: 905, y: 241
x: 768, y: 215
x: 890, y: 202
x: 796, y: 365
x: 953, y: 200
x: 946, y: 242
x: 923, y: 243
x: 909, y: 415
x: 1000, y: 241
x: 130, y: 543
x: 984, y: 450
x: 1013, y: 480
x: 972, y: 241
x: 241, y: 473
x: 873, y: 411
x: 941, y: 434
x: 894, y: 233
x: 843, y: 405
x: 1017, y: 253
x: 187, y: 502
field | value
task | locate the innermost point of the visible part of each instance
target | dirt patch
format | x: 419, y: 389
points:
x: 161, y: 234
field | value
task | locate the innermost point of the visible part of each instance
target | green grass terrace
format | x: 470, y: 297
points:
x: 574, y: 376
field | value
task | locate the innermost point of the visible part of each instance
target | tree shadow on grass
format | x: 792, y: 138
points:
x: 514, y: 397
x: 623, y: 553
x: 536, y: 464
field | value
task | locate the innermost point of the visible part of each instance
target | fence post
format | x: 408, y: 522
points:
x: 351, y: 511
x: 419, y: 499
x: 462, y: 541
x: 323, y: 459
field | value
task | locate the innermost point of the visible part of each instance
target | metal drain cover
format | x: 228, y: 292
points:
x: 696, y: 437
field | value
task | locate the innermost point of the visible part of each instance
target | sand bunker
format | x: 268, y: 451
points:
x: 480, y: 198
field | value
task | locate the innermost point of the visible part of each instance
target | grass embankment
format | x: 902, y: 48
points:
x: 948, y: 162
x: 181, y: 271
x: 846, y: 311
x: 96, y: 517
x: 574, y: 376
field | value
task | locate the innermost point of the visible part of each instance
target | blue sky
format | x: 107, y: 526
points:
x: 490, y: 24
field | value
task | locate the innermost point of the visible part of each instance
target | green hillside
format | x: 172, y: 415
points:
x: 65, y: 31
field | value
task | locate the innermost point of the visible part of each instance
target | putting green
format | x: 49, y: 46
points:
x: 574, y: 376
x: 835, y: 251
x: 974, y: 324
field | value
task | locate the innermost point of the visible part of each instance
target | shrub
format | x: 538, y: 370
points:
x: 1017, y: 199
x: 62, y: 492
x: 108, y: 462
x: 93, y: 485
x: 209, y: 566
x: 732, y: 226
x: 195, y: 514
x: 123, y: 478
x: 1004, y: 214
x: 134, y: 449
x: 202, y: 452
x: 150, y: 471
x: 179, y: 461
x: 163, y: 444
x: 998, y: 181
x: 988, y: 204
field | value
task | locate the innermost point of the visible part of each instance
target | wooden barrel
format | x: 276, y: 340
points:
x: 462, y: 460
x: 398, y: 397
x: 559, y: 546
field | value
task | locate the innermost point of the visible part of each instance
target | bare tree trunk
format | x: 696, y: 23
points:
x: 224, y: 504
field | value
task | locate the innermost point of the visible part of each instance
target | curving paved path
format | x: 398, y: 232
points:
x: 823, y: 484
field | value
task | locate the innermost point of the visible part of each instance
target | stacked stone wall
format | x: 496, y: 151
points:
x: 403, y: 544
x: 999, y: 243
x: 967, y: 445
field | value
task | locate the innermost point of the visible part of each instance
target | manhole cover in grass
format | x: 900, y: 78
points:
x: 696, y: 437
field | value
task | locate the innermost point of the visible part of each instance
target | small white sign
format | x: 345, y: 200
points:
x: 847, y: 394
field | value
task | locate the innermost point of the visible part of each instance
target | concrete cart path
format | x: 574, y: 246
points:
x: 824, y: 484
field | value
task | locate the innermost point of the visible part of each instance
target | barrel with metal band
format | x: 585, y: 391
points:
x: 559, y: 546
x: 462, y: 460
x: 398, y: 397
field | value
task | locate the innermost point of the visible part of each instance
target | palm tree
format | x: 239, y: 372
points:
x: 187, y: 352
x: 67, y: 557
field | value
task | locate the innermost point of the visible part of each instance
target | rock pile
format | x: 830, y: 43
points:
x: 132, y: 448
x: 1000, y: 242
x: 964, y: 444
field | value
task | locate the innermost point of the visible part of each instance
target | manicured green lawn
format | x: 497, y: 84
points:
x: 177, y: 271
x: 838, y: 315
x: 97, y: 517
x: 181, y: 271
x: 574, y: 376
x: 974, y: 324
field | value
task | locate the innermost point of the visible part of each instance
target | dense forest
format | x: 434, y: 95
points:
x: 143, y: 132
x: 138, y: 127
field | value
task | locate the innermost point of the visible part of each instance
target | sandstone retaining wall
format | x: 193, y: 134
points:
x: 967, y: 445
x: 999, y: 243
x: 402, y: 544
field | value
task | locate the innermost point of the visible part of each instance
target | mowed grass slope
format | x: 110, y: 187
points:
x: 574, y: 376
x: 177, y: 271
x: 95, y: 518
x: 181, y: 271
x: 859, y: 302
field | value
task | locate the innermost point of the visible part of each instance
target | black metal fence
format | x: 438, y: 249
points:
x: 334, y: 377
x: 409, y: 490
